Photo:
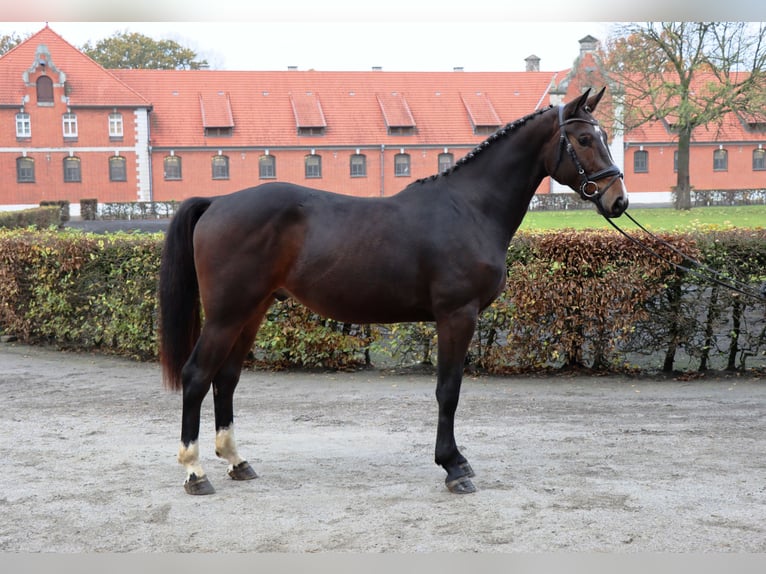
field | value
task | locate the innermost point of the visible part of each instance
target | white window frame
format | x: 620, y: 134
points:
x: 69, y: 125
x: 23, y: 125
x: 115, y: 125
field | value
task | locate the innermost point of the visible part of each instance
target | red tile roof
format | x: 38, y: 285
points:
x: 215, y: 108
x: 267, y: 106
x: 308, y: 110
x: 396, y: 111
x: 480, y: 109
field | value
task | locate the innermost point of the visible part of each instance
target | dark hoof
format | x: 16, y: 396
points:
x: 243, y: 471
x: 462, y: 485
x: 467, y: 470
x: 198, y: 485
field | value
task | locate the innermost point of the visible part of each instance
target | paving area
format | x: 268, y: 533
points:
x: 576, y: 464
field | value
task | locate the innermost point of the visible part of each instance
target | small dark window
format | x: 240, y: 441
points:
x: 759, y: 159
x: 401, y: 131
x: 446, y: 161
x: 118, y: 168
x: 311, y: 131
x: 640, y: 161
x: 267, y: 167
x: 358, y: 165
x: 220, y: 167
x: 44, y: 90
x: 675, y: 161
x: 485, y: 130
x: 72, y: 170
x: 218, y: 132
x: 720, y: 160
x: 313, y: 166
x: 25, y: 170
x: 402, y: 165
x: 172, y: 167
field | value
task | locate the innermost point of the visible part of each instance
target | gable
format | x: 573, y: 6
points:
x: 76, y: 77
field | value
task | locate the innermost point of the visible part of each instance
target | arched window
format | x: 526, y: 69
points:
x: 220, y: 167
x: 44, y: 90
x: 313, y: 166
x: 640, y: 161
x: 267, y: 167
x: 720, y: 160
x: 172, y: 167
x: 118, y: 168
x: 25, y: 170
x: 446, y: 161
x: 72, y: 170
x: 358, y: 165
x: 402, y: 165
x: 759, y: 159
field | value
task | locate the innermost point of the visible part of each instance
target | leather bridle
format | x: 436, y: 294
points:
x: 588, y: 187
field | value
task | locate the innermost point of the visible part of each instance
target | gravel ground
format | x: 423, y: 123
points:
x: 574, y: 464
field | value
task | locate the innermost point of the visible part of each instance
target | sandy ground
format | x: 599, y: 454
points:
x: 605, y: 464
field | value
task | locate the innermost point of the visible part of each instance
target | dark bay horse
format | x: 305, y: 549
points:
x: 433, y: 252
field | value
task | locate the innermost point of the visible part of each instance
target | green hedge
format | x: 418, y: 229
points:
x: 585, y: 299
x: 38, y: 217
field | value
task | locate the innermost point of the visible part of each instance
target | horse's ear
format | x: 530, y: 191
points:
x: 593, y: 101
x: 570, y: 110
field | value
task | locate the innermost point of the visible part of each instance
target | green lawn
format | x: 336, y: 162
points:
x: 656, y: 219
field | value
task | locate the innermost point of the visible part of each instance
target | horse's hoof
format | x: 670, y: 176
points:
x: 198, y: 485
x: 243, y: 471
x: 467, y: 470
x: 462, y: 485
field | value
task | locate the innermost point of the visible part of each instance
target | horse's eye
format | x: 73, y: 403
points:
x: 584, y: 140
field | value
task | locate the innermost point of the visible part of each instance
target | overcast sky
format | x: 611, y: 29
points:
x: 344, y: 46
x: 398, y: 35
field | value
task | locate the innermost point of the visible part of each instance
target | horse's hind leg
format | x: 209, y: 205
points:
x: 210, y: 352
x: 224, y: 384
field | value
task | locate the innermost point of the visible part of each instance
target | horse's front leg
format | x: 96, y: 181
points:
x: 454, y: 335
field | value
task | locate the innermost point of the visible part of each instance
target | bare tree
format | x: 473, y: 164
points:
x: 686, y: 75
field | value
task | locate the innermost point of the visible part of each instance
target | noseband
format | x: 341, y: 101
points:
x: 588, y: 186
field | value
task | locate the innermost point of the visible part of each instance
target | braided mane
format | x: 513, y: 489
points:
x: 499, y: 134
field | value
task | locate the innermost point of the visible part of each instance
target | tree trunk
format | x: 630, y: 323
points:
x: 683, y: 187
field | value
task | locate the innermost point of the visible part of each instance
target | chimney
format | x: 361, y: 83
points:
x: 457, y: 69
x: 588, y: 44
x: 377, y: 68
x: 533, y: 63
x: 292, y: 68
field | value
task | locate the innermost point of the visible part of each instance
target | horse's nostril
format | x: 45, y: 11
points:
x: 620, y: 205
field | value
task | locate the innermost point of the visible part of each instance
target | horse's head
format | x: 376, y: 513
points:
x: 581, y: 159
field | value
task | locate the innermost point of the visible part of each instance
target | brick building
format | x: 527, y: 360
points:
x: 71, y: 130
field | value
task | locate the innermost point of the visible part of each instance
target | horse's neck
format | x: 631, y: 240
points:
x: 502, y: 179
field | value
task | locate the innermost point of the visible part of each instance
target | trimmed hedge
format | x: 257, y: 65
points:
x: 573, y: 299
x: 38, y: 217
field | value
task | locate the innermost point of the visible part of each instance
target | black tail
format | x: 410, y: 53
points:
x: 179, y: 303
